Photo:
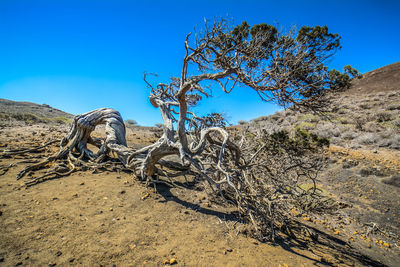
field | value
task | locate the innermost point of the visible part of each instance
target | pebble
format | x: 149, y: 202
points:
x: 59, y: 253
x: 171, y: 261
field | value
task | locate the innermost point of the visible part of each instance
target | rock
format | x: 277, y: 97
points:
x: 171, y: 261
x: 59, y: 253
x: 145, y: 196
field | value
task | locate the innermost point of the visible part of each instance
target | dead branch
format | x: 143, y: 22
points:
x: 13, y: 152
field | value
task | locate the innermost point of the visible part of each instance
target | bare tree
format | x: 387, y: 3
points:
x: 285, y: 68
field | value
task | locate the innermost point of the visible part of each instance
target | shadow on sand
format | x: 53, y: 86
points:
x: 321, y: 244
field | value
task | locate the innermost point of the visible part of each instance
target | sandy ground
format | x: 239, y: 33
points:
x: 110, y: 218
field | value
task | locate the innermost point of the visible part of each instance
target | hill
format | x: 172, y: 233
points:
x: 385, y: 79
x: 12, y: 112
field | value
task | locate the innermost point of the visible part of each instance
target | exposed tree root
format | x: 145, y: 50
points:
x: 14, y: 152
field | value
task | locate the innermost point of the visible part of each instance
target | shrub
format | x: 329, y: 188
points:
x: 383, y: 116
x: 394, y: 106
x: 344, y: 120
x: 367, y: 139
x: 262, y: 118
x: 396, y: 123
x: 372, y: 127
x: 328, y: 130
x: 349, y: 135
x: 305, y: 126
x: 131, y: 122
x: 365, y: 106
x: 310, y: 118
x: 392, y: 142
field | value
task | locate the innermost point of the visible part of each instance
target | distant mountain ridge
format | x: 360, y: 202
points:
x: 31, y: 112
x: 384, y: 79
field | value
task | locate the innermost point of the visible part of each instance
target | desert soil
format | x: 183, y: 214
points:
x: 110, y: 218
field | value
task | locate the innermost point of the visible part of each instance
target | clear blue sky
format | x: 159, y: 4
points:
x: 82, y: 55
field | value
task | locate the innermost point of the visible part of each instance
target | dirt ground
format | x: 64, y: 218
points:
x: 111, y: 218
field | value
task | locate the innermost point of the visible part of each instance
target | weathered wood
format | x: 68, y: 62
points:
x: 73, y: 147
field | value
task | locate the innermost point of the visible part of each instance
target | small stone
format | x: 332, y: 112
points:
x: 337, y: 232
x: 171, y: 261
x: 75, y: 195
x: 122, y: 192
x: 59, y: 253
x: 52, y: 264
x: 18, y: 263
x: 111, y: 209
x: 82, y: 183
x: 71, y: 260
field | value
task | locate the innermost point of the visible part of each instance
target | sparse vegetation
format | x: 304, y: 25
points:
x: 131, y: 123
x: 355, y: 123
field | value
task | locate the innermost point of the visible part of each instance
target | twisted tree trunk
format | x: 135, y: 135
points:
x: 74, y: 148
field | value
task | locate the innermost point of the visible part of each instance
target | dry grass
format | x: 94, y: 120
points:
x: 370, y: 120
